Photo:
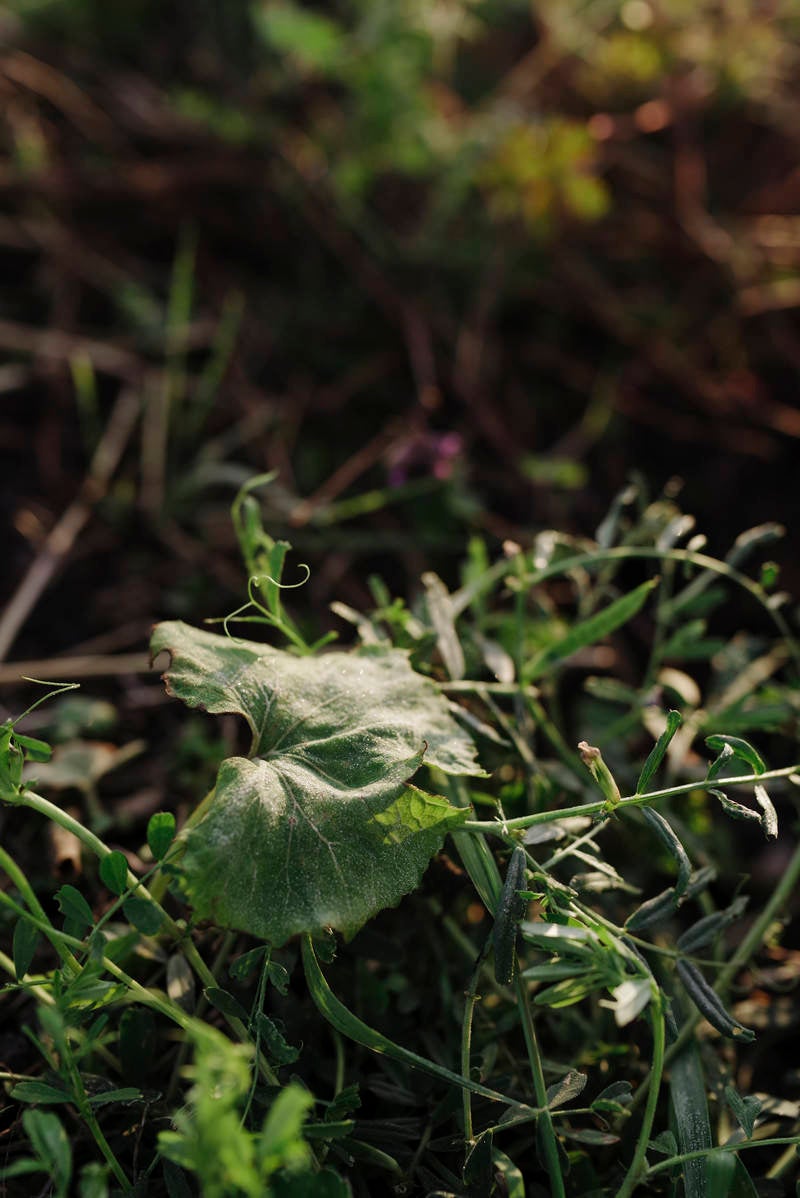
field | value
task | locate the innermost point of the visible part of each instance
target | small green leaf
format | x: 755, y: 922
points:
x: 665, y: 1144
x: 243, y: 966
x: 114, y: 872
x: 278, y: 976
x: 74, y: 907
x: 225, y: 1002
x: 345, y: 1103
x: 740, y: 748
x: 49, y: 1142
x: 570, y: 1086
x: 275, y: 1046
x: 658, y: 750
x: 746, y: 1109
x: 26, y: 938
x: 125, y: 1094
x: 143, y: 914
x: 35, y: 1091
x: 93, y: 1181
x: 35, y: 750
x: 588, y: 632
x: 160, y: 833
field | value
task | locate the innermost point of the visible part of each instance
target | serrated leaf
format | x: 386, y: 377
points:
x: 26, y: 937
x: 318, y: 828
x: 160, y: 833
x: 114, y: 872
x: 589, y: 631
x: 570, y: 1086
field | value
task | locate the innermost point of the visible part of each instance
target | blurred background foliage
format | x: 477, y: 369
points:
x: 445, y: 265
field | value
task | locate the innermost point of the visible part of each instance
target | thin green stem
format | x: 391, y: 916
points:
x: 471, y: 997
x: 637, y: 1168
x: 548, y: 1135
x: 750, y: 943
x: 497, y: 827
x: 672, y: 1161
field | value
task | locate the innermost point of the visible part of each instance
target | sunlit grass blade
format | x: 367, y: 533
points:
x: 589, y: 631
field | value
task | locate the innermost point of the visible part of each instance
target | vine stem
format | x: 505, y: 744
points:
x: 767, y: 1142
x: 602, y: 805
x: 637, y: 1168
x: 36, y: 802
x: 548, y: 1139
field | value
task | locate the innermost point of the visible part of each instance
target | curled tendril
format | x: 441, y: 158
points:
x: 258, y: 580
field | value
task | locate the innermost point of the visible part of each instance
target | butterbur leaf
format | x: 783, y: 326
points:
x: 740, y: 748
x: 114, y: 872
x: 318, y: 828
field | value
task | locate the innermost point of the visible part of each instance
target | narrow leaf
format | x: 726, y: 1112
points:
x: 733, y: 809
x: 710, y: 1005
x: 706, y: 930
x: 673, y: 846
x: 35, y: 1091
x: 440, y: 610
x: 690, y: 1113
x: 124, y: 1094
x: 35, y: 750
x: 741, y: 748
x: 589, y: 631
x: 656, y: 755
x: 769, y: 816
x: 114, y: 872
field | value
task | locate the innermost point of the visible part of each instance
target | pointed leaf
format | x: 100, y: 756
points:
x: 589, y: 631
x: 658, y: 750
x: 741, y: 749
x: 318, y: 829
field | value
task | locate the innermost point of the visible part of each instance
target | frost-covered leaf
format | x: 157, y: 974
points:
x: 318, y: 827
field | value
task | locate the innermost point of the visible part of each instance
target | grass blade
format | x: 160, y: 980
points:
x: 587, y: 632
